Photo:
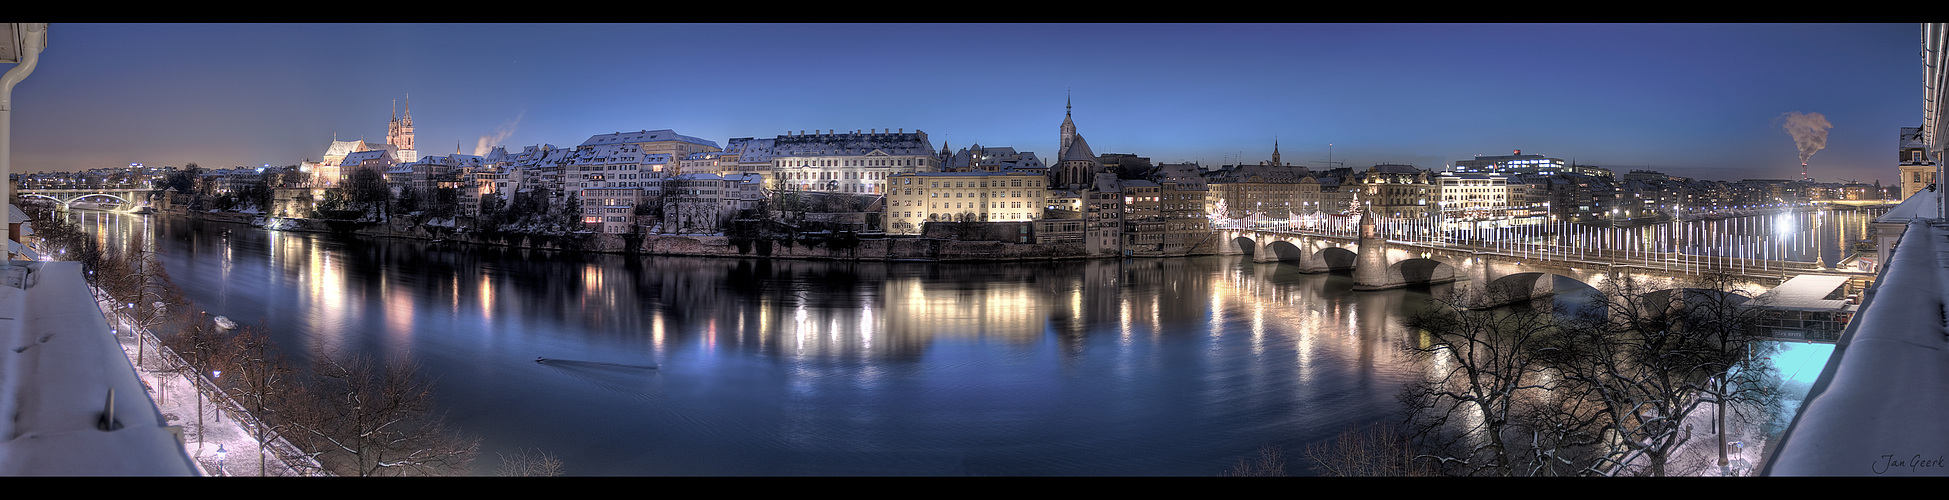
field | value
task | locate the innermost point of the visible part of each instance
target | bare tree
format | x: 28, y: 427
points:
x: 1378, y: 450
x: 525, y: 463
x: 260, y: 381
x: 367, y: 419
x: 1651, y: 356
x: 143, y: 292
x: 1269, y: 463
x: 1468, y: 417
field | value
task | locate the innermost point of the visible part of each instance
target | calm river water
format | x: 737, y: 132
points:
x: 1134, y: 367
x: 1138, y: 367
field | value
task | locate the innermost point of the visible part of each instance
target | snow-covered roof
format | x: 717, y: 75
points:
x: 67, y: 370
x: 1807, y: 292
x: 1921, y: 204
x: 853, y: 143
x: 342, y: 148
x: 643, y: 136
x: 1879, y: 398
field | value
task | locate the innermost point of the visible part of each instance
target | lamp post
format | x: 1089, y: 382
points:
x: 221, y: 455
x: 216, y: 375
x: 196, y: 367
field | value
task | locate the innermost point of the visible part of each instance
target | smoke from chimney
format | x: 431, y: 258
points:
x: 501, y: 133
x: 1809, y: 132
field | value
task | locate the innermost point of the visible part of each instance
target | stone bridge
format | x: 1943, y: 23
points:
x: 1384, y: 267
x: 1503, y: 277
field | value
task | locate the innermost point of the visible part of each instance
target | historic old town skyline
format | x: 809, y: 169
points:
x: 1696, y: 100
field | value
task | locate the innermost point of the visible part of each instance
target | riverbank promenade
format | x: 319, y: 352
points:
x: 222, y: 442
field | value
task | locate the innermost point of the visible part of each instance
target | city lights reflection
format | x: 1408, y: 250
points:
x: 844, y: 361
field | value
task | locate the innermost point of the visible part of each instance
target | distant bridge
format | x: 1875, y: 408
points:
x: 67, y: 197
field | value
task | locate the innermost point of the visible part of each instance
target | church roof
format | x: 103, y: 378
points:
x: 342, y: 148
x: 1079, y: 150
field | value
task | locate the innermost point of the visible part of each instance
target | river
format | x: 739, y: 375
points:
x: 1109, y: 367
x: 1179, y: 366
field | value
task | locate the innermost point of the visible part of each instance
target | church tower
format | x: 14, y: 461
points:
x: 1275, y: 152
x: 399, y: 133
x: 1068, y: 133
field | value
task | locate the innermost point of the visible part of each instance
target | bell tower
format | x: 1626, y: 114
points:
x: 399, y: 133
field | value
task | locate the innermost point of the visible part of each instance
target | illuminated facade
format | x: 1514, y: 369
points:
x: 1519, y: 163
x: 850, y: 162
x: 1400, y: 191
x: 611, y: 210
x: 914, y: 199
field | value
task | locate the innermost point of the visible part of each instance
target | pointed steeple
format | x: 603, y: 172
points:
x: 1068, y: 131
x: 1275, y: 152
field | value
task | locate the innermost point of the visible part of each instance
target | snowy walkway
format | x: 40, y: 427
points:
x: 217, y: 430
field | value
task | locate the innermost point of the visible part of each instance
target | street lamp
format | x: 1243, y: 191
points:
x: 221, y: 455
x: 217, y: 374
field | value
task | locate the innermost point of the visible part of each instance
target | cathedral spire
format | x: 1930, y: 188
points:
x: 1275, y: 151
x: 1067, y: 134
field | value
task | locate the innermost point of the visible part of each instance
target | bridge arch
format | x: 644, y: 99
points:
x: 1423, y: 271
x: 1284, y: 251
x: 63, y: 203
x: 1335, y: 258
x: 106, y: 195
x: 1523, y: 287
x: 1665, y: 302
x: 1245, y: 245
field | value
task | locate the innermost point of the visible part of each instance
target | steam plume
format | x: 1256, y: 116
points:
x: 501, y: 133
x: 1809, y: 132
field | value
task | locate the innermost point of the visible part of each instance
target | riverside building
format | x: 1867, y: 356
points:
x: 914, y: 199
x: 850, y: 162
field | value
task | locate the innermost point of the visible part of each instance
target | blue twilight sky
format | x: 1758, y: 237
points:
x: 1697, y: 100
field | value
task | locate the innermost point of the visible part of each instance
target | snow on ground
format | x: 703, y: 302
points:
x: 218, y: 429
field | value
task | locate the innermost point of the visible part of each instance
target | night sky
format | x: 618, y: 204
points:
x: 1696, y: 100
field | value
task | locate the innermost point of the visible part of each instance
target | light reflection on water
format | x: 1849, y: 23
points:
x: 1136, y: 367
